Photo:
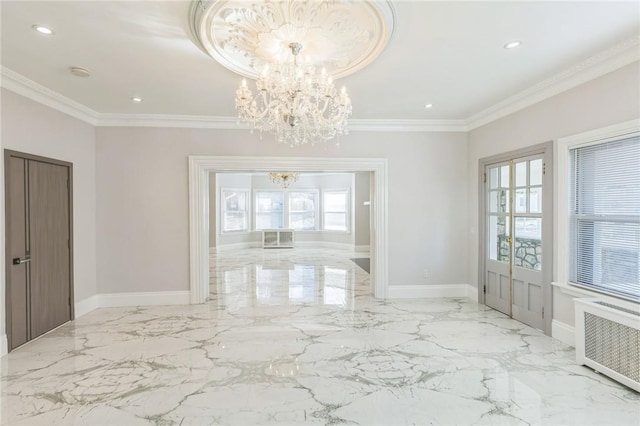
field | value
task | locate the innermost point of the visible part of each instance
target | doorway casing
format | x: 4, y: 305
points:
x: 201, y: 166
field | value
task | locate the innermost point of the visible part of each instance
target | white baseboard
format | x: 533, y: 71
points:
x: 87, y: 305
x: 366, y: 248
x: 112, y: 300
x: 235, y: 246
x: 421, y: 291
x: 4, y: 345
x: 563, y: 332
x: 472, y: 293
x: 324, y: 244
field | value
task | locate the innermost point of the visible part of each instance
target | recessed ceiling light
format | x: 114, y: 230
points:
x: 428, y: 105
x: 79, y: 71
x: 136, y: 99
x: 42, y: 30
x: 513, y: 44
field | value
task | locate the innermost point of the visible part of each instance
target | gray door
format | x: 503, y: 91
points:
x: 514, y: 279
x: 38, y: 246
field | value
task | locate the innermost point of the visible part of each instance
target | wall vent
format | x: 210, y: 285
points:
x: 608, y: 340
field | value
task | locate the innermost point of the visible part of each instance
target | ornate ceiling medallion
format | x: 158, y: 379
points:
x: 244, y: 36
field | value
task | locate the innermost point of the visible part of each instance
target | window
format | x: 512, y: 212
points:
x: 604, y: 216
x: 335, y: 209
x: 302, y: 210
x: 269, y: 210
x: 235, y: 210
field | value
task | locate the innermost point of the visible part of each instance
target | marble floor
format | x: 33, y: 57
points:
x: 294, y: 337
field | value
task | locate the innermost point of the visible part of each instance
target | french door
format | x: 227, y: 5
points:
x: 517, y: 238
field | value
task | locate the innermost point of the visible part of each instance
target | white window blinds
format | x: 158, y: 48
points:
x: 605, y: 216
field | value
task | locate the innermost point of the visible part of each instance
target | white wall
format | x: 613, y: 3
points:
x: 32, y: 128
x: 610, y: 99
x: 143, y: 213
x: 362, y: 213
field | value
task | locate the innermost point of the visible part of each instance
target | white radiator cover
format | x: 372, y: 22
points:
x: 608, y: 340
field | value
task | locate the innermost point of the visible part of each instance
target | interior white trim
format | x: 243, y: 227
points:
x: 4, y: 345
x: 598, y: 65
x: 563, y: 332
x: 87, y: 305
x: 21, y: 85
x: 201, y: 166
x: 429, y: 291
x: 147, y: 298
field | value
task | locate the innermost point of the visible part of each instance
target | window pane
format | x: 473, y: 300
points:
x: 269, y: 210
x: 535, y: 172
x: 302, y: 210
x: 235, y: 221
x: 521, y: 174
x: 235, y: 211
x: 335, y: 201
x: 527, y: 252
x: 335, y: 221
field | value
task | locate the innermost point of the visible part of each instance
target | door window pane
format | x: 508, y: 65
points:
x: 527, y: 250
x: 493, y: 201
x: 535, y: 172
x: 521, y: 200
x: 504, y: 177
x: 521, y: 174
x: 535, y: 200
x: 498, y: 232
x: 493, y: 178
x: 269, y: 210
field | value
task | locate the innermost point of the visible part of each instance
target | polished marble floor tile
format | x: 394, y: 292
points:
x: 294, y: 337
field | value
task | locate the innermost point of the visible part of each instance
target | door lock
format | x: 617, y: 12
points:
x: 508, y: 240
x: 18, y: 261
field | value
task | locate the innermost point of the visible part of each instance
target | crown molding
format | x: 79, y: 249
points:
x: 614, y: 58
x: 400, y: 125
x: 168, y: 120
x: 598, y: 65
x: 21, y: 85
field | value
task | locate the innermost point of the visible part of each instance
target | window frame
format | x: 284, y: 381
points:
x: 347, y: 211
x: 562, y: 222
x: 223, y: 210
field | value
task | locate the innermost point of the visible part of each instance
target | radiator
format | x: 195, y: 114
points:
x: 608, y: 340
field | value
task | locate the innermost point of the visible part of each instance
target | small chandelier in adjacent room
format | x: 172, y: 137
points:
x: 295, y: 103
x: 284, y: 179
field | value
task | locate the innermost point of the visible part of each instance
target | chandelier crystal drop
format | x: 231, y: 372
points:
x: 284, y: 179
x: 295, y: 103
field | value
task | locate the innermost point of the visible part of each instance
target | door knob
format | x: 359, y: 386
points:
x: 18, y: 261
x: 508, y: 240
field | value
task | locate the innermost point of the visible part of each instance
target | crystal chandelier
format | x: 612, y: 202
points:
x: 284, y: 179
x: 295, y: 103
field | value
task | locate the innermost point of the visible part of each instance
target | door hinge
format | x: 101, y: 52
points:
x: 544, y: 168
x: 542, y: 312
x: 485, y: 178
x: 68, y: 185
x: 484, y: 289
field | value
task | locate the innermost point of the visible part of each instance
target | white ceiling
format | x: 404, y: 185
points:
x: 449, y: 54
